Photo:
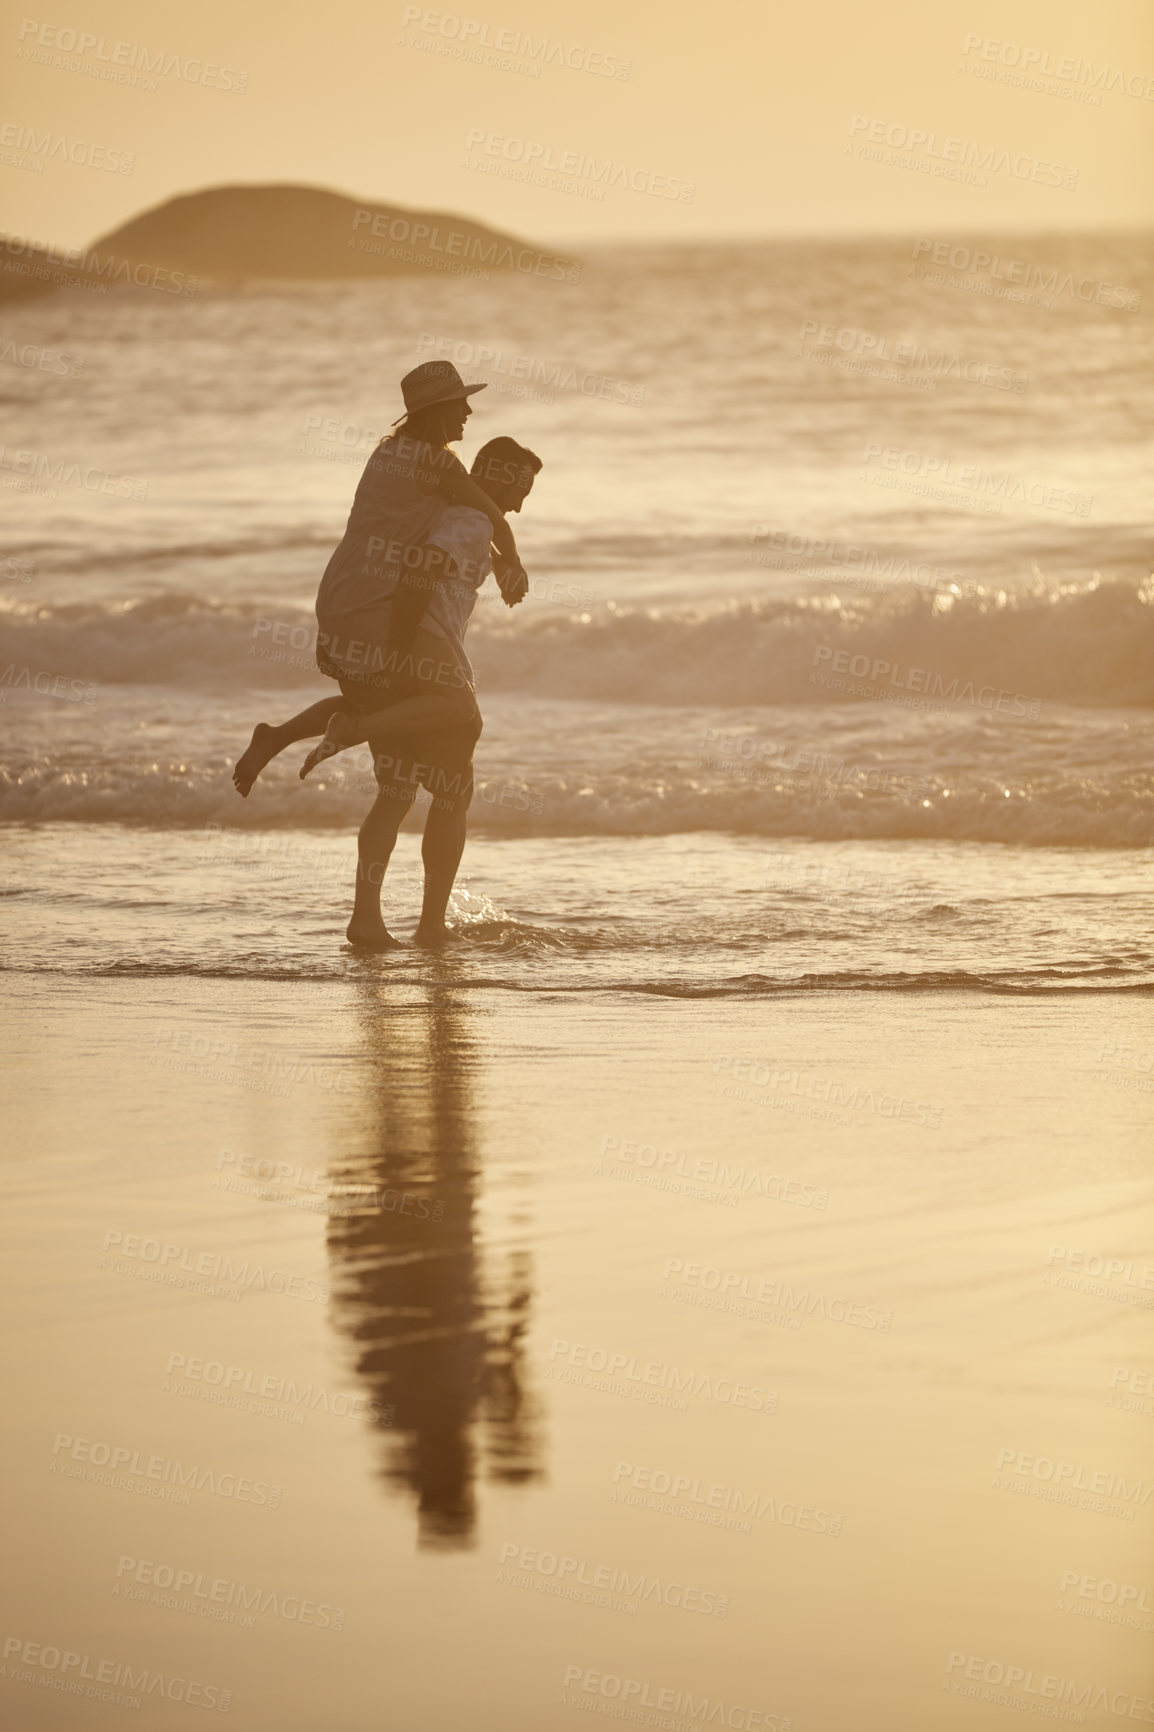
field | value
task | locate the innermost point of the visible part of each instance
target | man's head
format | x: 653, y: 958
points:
x: 506, y: 471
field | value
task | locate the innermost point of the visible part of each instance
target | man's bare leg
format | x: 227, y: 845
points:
x: 375, y: 844
x: 268, y: 740
x: 441, y: 848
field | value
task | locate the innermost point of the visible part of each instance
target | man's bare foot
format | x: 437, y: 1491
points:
x: 262, y: 748
x: 342, y: 732
x: 433, y: 937
x: 367, y: 936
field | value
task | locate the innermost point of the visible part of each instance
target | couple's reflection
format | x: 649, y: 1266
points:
x: 437, y: 1316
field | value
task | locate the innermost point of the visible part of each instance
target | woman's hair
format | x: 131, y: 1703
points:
x: 504, y: 461
x: 426, y: 425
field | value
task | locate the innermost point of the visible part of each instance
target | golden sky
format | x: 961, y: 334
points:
x: 737, y: 118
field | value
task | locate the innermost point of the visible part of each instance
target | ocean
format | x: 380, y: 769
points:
x: 836, y: 666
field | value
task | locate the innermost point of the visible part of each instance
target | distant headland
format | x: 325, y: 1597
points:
x: 241, y: 234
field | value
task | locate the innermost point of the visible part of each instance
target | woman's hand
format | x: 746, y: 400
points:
x: 512, y: 581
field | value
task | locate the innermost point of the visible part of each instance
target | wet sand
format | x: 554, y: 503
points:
x: 390, y: 1357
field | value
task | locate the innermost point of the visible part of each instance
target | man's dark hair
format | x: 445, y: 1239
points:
x: 504, y: 461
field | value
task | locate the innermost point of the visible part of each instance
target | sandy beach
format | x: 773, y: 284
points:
x: 500, y: 1365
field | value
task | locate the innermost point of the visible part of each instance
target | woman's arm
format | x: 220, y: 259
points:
x: 511, y: 577
x: 463, y: 490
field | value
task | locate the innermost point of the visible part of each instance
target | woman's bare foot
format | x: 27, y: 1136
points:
x: 262, y: 748
x: 342, y: 732
x: 367, y: 936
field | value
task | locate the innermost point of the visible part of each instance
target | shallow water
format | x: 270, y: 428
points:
x: 682, y: 915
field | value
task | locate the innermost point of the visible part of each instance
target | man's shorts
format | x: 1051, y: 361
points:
x: 440, y: 761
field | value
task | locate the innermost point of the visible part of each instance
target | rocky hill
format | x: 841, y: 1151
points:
x: 241, y: 234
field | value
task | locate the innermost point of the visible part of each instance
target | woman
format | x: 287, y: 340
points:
x: 384, y: 577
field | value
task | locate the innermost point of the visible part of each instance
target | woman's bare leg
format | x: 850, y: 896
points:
x: 443, y: 702
x: 267, y: 740
x: 411, y: 716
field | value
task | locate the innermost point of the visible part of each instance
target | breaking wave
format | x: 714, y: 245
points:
x: 1068, y: 808
x: 1088, y: 643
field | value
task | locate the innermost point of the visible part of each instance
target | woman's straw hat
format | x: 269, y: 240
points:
x: 434, y: 382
